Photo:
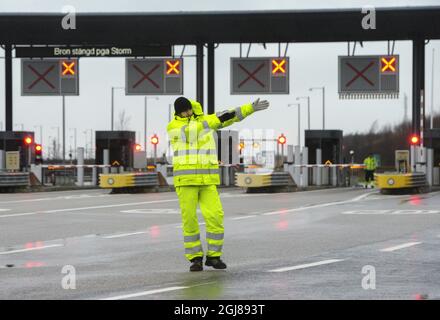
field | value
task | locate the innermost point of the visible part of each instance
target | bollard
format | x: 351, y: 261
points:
x: 319, y: 169
x: 225, y: 172
x: 429, y: 165
x: 334, y: 176
x: 94, y: 175
x: 106, y: 161
x: 305, y: 172
x: 290, y: 153
x: 297, y: 169
x: 80, y: 171
x: 2, y: 160
x: 436, y: 176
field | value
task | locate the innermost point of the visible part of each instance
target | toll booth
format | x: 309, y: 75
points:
x: 20, y: 141
x: 120, y: 145
x: 402, y: 161
x: 227, y: 154
x: 228, y: 146
x: 431, y: 140
x: 329, y: 141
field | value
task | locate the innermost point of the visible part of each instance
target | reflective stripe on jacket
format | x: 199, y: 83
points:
x: 194, y: 148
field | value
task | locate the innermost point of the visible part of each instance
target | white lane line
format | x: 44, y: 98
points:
x: 125, y: 235
x: 242, y: 218
x: 321, y: 205
x: 308, y: 265
x: 86, y: 208
x: 2, y: 210
x: 31, y: 249
x: 180, y: 226
x: 145, y: 293
x: 71, y: 197
x: 402, y: 246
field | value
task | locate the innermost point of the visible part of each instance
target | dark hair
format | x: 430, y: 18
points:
x: 182, y: 104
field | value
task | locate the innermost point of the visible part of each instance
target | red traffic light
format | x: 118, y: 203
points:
x: 282, y: 139
x: 154, y: 139
x: 28, y: 140
x: 415, y: 139
x: 38, y: 148
x: 137, y: 147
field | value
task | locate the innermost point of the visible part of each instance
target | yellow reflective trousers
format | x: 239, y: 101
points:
x: 207, y: 196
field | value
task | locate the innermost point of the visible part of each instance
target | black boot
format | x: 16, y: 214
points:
x: 197, y: 264
x: 215, y: 262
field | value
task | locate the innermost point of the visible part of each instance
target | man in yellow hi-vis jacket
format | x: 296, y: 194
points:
x: 196, y: 174
x: 370, y: 166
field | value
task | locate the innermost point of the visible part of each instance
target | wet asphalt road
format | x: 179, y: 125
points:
x: 328, y: 244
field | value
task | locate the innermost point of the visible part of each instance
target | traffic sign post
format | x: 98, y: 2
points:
x: 366, y: 77
x: 268, y: 75
x: 49, y: 77
x: 158, y: 76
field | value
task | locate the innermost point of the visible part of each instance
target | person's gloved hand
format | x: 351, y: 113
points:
x: 226, y: 115
x: 260, y: 105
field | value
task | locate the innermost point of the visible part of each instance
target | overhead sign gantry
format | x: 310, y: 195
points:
x: 368, y: 76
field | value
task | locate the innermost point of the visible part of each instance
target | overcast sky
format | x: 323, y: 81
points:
x: 312, y: 65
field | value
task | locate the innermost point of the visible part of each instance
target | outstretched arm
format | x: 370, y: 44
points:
x: 235, y: 115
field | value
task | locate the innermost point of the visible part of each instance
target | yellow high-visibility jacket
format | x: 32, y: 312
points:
x: 194, y: 148
x: 370, y: 163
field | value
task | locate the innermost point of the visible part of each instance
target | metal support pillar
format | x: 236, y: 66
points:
x: 418, y: 83
x: 199, y: 72
x: 211, y: 78
x: 8, y: 88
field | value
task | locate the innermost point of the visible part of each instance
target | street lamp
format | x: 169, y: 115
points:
x: 57, y: 146
x: 75, y: 137
x: 299, y: 120
x: 113, y: 105
x: 145, y: 120
x: 308, y: 109
x: 323, y: 104
x: 41, y: 133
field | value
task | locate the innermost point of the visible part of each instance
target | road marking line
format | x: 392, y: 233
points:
x: 145, y: 293
x: 31, y: 249
x: 308, y: 265
x: 402, y: 246
x: 87, y: 208
x: 1, y: 210
x: 201, y: 224
x: 321, y: 205
x: 125, y: 235
x: 246, y: 217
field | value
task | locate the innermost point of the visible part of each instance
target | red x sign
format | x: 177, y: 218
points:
x: 360, y: 74
x: 251, y: 75
x: 146, y: 76
x: 41, y: 77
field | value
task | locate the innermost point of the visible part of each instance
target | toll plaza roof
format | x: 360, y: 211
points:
x: 324, y: 25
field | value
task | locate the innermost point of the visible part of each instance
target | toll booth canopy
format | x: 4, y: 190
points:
x: 120, y: 145
x: 329, y: 141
